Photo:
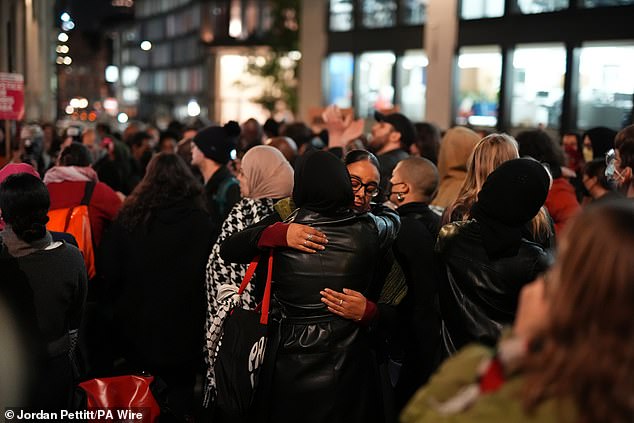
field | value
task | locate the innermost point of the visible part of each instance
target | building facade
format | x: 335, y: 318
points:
x: 504, y: 64
x: 27, y: 47
x: 187, y: 58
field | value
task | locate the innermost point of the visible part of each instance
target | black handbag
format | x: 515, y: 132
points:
x: 241, y: 353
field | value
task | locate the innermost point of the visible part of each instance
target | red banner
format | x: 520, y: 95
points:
x: 11, y: 96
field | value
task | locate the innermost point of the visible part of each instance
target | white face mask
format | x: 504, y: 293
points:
x: 588, y: 154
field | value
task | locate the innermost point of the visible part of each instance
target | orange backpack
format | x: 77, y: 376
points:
x: 75, y: 221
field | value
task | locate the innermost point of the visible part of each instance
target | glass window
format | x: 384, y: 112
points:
x: 341, y: 12
x: 479, y: 73
x: 374, y: 82
x: 606, y: 85
x: 378, y: 13
x: 476, y: 9
x: 414, y: 12
x: 339, y: 79
x: 541, y: 6
x: 236, y: 88
x: 538, y: 89
x: 602, y: 3
x: 412, y: 77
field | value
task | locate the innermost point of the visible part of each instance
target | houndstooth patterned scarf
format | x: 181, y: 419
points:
x: 224, y: 279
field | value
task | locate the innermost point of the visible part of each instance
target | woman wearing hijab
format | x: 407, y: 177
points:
x: 487, y: 259
x: 265, y: 177
x: 596, y: 142
x: 318, y: 366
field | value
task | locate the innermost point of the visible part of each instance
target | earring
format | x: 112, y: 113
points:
x: 399, y: 196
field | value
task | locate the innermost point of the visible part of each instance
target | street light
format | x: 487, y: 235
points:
x: 146, y: 45
x: 193, y: 108
x: 63, y: 37
x: 65, y: 17
x: 122, y: 117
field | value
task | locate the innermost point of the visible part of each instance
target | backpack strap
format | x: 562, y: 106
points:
x: 220, y: 198
x: 88, y: 190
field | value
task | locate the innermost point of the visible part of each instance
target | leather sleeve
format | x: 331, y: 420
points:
x: 388, y: 224
x: 242, y: 246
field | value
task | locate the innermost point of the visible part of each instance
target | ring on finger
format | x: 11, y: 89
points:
x: 340, y: 302
x: 305, y: 242
x: 310, y: 236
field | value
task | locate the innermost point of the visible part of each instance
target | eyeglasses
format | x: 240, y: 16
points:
x: 610, y: 165
x: 371, y: 188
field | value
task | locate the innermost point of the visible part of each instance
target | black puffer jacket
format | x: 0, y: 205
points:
x: 480, y: 295
x: 318, y: 366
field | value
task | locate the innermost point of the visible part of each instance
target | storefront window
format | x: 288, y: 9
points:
x: 537, y: 89
x: 413, y: 12
x: 606, y: 86
x: 341, y: 12
x: 379, y: 13
x: 339, y: 79
x: 479, y: 73
x: 374, y: 82
x: 541, y: 6
x: 237, y: 87
x: 477, y: 9
x: 412, y: 77
x: 602, y: 3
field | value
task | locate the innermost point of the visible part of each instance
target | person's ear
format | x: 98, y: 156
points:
x: 395, y: 136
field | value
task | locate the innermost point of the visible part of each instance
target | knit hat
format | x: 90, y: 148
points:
x: 217, y: 142
x: 510, y: 197
x: 401, y: 124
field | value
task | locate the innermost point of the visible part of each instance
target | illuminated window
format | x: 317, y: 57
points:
x: 602, y: 3
x: 341, y: 12
x: 413, y: 12
x: 378, y: 13
x: 339, y: 79
x: 606, y: 85
x: 479, y: 73
x: 538, y: 89
x: 236, y: 88
x: 412, y: 77
x: 476, y: 9
x: 374, y: 82
x: 541, y: 6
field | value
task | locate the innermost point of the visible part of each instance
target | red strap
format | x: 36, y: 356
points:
x: 249, y: 274
x: 266, y: 301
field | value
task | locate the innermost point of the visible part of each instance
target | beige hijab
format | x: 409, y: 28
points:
x: 455, y: 148
x: 267, y: 173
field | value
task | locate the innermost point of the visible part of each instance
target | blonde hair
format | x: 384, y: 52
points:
x: 489, y: 153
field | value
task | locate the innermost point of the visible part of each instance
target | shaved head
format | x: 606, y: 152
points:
x: 421, y: 174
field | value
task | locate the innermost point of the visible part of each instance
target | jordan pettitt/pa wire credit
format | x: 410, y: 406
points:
x: 115, y: 415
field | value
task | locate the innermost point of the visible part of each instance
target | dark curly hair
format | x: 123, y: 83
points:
x: 25, y: 201
x: 167, y: 180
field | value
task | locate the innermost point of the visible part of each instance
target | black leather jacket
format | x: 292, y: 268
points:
x: 319, y: 366
x: 481, y: 295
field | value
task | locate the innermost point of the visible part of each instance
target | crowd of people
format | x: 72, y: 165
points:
x: 419, y: 275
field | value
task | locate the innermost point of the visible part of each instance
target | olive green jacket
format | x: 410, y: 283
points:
x: 456, y: 376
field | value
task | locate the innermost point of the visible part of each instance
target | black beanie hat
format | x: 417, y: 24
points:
x: 217, y: 142
x: 510, y: 198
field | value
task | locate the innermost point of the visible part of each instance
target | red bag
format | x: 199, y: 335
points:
x: 123, y: 392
